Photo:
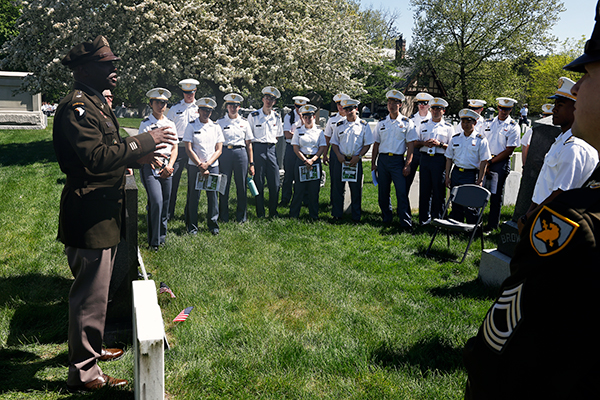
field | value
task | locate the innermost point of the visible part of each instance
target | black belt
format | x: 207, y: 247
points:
x: 467, y: 169
x: 230, y: 146
x: 432, y: 155
x: 393, y: 155
x: 348, y: 158
x: 308, y: 156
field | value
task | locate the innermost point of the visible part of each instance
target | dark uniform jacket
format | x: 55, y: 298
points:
x: 540, y: 339
x: 94, y: 157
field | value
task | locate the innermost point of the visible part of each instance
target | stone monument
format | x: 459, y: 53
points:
x: 19, y: 110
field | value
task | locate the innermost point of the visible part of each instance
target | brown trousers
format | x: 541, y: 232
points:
x: 88, y: 299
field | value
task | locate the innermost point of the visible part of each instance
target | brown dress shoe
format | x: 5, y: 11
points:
x: 98, y: 383
x: 110, y: 354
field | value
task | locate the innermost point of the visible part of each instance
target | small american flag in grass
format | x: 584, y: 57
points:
x: 165, y: 289
x: 183, y: 315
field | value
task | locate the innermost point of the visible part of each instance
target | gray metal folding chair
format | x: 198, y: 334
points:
x: 472, y: 196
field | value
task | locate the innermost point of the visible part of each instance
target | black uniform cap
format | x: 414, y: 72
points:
x: 98, y: 51
x: 592, y: 48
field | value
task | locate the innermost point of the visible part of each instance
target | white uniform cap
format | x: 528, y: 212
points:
x: 438, y: 101
x: 506, y: 102
x: 394, y: 94
x: 300, y: 100
x: 564, y: 89
x: 423, y: 97
x: 271, y: 91
x: 159, y: 94
x: 468, y: 113
x: 547, y: 109
x: 340, y: 96
x: 233, y: 98
x: 308, y: 109
x: 188, y: 85
x: 206, y: 102
x: 349, y: 103
x: 476, y: 103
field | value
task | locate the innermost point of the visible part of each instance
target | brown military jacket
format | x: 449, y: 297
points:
x: 539, y: 339
x: 94, y: 157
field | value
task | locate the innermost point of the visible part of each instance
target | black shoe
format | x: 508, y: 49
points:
x: 214, y: 232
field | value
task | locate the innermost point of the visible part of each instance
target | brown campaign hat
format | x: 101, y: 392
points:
x: 98, y: 51
x: 592, y: 48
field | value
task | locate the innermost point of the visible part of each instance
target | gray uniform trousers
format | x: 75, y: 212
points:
x: 289, y: 162
x: 234, y: 162
x: 337, y: 191
x: 432, y: 190
x: 178, y: 167
x: 265, y: 164
x: 307, y: 192
x: 158, y: 190
x: 212, y: 214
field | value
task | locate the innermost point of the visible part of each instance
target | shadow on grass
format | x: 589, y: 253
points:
x: 27, y: 153
x: 473, y: 289
x: 41, y: 308
x: 428, y: 354
x: 20, y: 370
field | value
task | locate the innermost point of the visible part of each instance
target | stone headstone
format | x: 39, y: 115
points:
x: 509, y: 238
x: 494, y: 267
x: 118, y: 328
x: 544, y: 134
x: 19, y: 110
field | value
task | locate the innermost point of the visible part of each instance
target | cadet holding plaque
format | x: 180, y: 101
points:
x: 309, y: 144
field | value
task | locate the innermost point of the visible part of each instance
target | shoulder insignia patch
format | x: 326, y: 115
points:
x: 340, y: 123
x: 551, y: 232
x: 455, y: 135
x: 362, y: 121
x: 502, y: 319
x: 513, y: 122
x: 571, y: 139
x: 479, y: 135
x: 79, y: 110
x: 146, y: 120
x: 254, y: 114
x: 404, y: 119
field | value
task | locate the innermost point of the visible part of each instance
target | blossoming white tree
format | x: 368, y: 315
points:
x: 229, y: 45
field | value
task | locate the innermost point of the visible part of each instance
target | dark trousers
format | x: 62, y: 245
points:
x: 502, y: 168
x: 265, y: 164
x: 333, y: 166
x: 307, y: 192
x: 234, y: 162
x: 289, y: 162
x: 212, y: 213
x: 414, y: 165
x: 337, y: 191
x: 180, y: 164
x: 432, y: 191
x: 88, y: 300
x: 158, y: 190
x: 389, y: 170
x: 457, y: 178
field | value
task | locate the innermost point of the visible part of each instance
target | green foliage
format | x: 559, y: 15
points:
x: 379, y: 78
x: 9, y: 12
x: 460, y: 37
x: 547, y: 70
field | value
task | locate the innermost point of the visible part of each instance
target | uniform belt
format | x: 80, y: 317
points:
x: 393, y: 155
x: 467, y: 169
x: 435, y: 154
x: 348, y: 158
x: 230, y: 146
x: 308, y: 155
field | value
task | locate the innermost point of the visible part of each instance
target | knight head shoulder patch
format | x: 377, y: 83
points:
x: 551, y: 232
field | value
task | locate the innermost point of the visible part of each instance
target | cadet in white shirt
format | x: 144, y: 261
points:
x: 423, y: 114
x: 182, y: 114
x: 570, y: 160
x: 291, y: 122
x: 477, y: 106
x: 350, y: 141
x: 434, y: 136
x: 309, y: 144
x: 469, y: 152
x: 158, y: 177
x: 204, y: 144
x: 504, y: 135
x: 392, y: 137
x: 331, y: 123
x: 237, y: 157
x: 266, y: 128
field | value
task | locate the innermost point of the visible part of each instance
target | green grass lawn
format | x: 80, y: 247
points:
x: 284, y: 308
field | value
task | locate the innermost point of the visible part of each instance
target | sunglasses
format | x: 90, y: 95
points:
x: 437, y: 108
x: 505, y: 108
x: 109, y: 97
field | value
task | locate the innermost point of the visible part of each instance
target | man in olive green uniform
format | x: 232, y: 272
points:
x: 538, y: 340
x: 94, y: 157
